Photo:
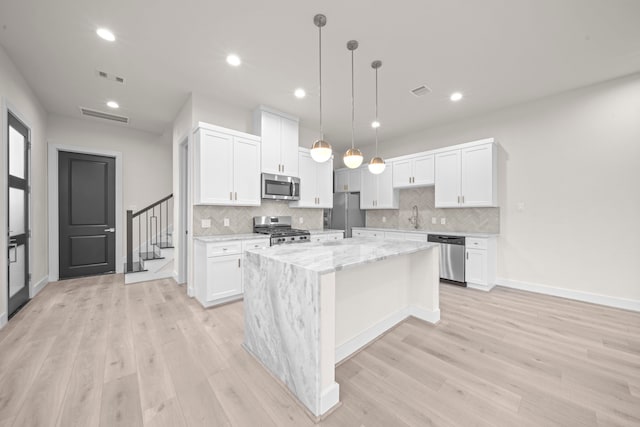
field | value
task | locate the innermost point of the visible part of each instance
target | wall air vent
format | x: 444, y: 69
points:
x: 102, y: 115
x: 109, y: 76
x: 420, y: 90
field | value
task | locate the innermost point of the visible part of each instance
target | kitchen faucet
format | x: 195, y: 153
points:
x: 414, y: 217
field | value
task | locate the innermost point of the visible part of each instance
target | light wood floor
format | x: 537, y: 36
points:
x: 94, y: 352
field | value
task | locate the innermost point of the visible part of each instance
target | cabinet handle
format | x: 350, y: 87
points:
x: 282, y: 168
x: 230, y: 195
x: 236, y: 195
x: 467, y: 254
x: 463, y: 200
x: 458, y: 199
x: 238, y: 263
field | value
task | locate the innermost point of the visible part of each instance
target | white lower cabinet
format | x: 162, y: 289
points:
x: 480, y: 263
x: 218, y: 269
x: 368, y: 233
x: 324, y: 237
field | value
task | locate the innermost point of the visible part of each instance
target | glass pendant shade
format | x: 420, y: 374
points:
x: 353, y: 158
x: 377, y: 165
x: 321, y: 151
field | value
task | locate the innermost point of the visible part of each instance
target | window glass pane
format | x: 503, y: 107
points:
x: 16, y: 211
x: 16, y: 153
x: 16, y: 269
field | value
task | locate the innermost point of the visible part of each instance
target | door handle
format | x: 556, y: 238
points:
x: 110, y: 230
x: 13, y: 244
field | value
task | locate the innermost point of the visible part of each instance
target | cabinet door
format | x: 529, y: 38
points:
x: 402, y: 173
x: 289, y: 146
x: 246, y: 166
x: 387, y: 195
x: 308, y: 182
x: 368, y: 190
x: 354, y: 181
x: 477, y: 176
x: 423, y: 170
x: 341, y: 181
x: 215, y: 164
x: 324, y: 181
x: 270, y: 132
x: 476, y: 266
x: 224, y: 278
x: 447, y: 182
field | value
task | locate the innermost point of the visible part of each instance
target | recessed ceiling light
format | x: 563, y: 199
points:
x: 375, y: 124
x: 233, y: 60
x: 113, y: 104
x: 456, y: 96
x: 300, y: 93
x: 105, y: 34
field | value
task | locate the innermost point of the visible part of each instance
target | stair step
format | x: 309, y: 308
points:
x: 150, y: 256
x: 165, y: 245
x: 137, y: 267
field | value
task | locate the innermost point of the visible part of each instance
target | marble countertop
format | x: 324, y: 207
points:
x: 329, y: 231
x: 228, y: 237
x: 335, y: 255
x: 446, y: 233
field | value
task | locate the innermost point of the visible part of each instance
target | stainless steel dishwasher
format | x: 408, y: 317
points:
x: 451, y: 257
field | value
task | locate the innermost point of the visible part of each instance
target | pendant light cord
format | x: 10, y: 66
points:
x: 320, y: 74
x: 376, y: 129
x: 353, y: 108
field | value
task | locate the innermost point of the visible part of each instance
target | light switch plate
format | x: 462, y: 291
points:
x: 226, y: 222
x: 434, y: 220
x: 205, y: 223
x: 301, y: 220
x: 443, y: 221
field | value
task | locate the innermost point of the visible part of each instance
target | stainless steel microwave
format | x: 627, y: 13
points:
x: 280, y: 187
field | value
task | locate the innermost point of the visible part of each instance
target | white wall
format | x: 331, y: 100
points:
x: 15, y: 92
x: 574, y: 160
x: 147, y: 157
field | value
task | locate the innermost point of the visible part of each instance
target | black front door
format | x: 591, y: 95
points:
x: 87, y: 214
x: 18, y: 215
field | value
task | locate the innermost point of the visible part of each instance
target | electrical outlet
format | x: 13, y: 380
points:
x: 226, y: 222
x: 205, y: 223
x: 443, y: 221
x: 301, y: 220
x: 384, y: 219
x: 434, y: 220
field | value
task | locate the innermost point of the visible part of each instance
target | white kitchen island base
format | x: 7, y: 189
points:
x: 311, y: 305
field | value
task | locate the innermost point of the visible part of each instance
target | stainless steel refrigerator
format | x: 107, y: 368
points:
x: 346, y: 213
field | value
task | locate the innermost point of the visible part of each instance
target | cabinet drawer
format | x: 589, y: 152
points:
x: 227, y: 248
x: 394, y: 235
x: 476, y: 243
x: 255, y: 244
x: 336, y: 236
x: 318, y: 237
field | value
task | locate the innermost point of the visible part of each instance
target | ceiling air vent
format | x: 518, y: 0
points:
x: 103, y: 115
x: 110, y: 76
x: 420, y: 90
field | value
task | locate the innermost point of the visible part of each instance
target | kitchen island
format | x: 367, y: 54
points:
x: 308, y: 306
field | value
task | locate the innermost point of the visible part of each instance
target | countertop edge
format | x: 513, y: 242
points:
x: 451, y: 233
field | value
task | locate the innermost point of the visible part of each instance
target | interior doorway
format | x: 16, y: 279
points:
x: 18, y: 218
x: 86, y: 214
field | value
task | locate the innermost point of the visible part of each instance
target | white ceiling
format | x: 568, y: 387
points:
x: 497, y: 52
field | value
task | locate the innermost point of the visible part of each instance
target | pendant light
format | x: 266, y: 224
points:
x: 376, y: 165
x: 321, y: 149
x: 353, y: 157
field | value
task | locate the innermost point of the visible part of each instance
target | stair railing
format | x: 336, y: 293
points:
x: 153, y: 228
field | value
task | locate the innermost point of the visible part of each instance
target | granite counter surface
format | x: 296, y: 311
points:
x: 336, y: 255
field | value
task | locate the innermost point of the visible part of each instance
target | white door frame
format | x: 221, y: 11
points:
x: 8, y: 107
x: 52, y: 160
x: 183, y: 207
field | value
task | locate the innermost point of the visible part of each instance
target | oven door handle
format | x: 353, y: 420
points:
x: 294, y: 189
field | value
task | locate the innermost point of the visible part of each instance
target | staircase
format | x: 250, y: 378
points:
x: 150, y: 242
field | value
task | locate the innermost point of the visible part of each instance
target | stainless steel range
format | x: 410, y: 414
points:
x: 279, y: 228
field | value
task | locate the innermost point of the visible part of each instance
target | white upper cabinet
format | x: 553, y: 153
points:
x: 467, y: 177
x: 377, y: 192
x: 226, y: 167
x: 316, y: 181
x: 279, y: 134
x: 347, y: 180
x: 413, y: 171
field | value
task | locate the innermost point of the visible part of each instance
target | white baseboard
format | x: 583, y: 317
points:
x: 624, y: 303
x: 480, y: 287
x: 329, y: 398
x: 356, y: 343
x: 39, y: 286
x: 3, y: 320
